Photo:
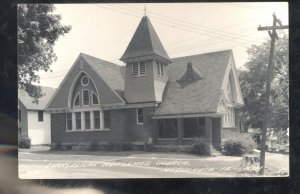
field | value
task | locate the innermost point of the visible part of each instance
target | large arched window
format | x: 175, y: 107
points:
x: 84, y: 92
x: 86, y: 113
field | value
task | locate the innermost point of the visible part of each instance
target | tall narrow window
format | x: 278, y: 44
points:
x: 97, y: 119
x: 162, y: 69
x: 135, y: 69
x: 106, y: 119
x: 76, y: 100
x: 158, y: 68
x: 142, y: 68
x: 85, y: 97
x: 140, y: 117
x: 87, y: 119
x: 40, y: 116
x: 69, y: 121
x: 78, y: 120
x: 95, y: 99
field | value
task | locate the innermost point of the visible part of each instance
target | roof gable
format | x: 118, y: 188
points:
x: 201, y: 96
x: 107, y: 77
x: 144, y: 42
x: 111, y: 73
x: 27, y: 101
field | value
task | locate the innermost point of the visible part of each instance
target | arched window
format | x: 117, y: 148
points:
x: 86, y: 114
x: 84, y: 92
x: 95, y: 98
x: 76, y: 100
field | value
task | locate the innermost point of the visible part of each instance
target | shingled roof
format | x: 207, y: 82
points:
x: 111, y: 73
x: 43, y: 101
x: 201, y: 96
x: 144, y: 42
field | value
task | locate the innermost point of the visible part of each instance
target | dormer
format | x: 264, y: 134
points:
x: 191, y: 75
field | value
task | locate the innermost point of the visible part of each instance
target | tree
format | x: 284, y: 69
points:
x: 38, y: 29
x: 253, y: 84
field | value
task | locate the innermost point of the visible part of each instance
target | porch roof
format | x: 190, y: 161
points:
x: 198, y: 97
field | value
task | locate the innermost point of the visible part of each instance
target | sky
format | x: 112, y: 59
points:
x: 105, y: 30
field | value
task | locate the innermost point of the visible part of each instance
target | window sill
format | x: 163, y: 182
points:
x: 88, y: 130
x: 140, y: 124
x: 135, y: 76
x: 227, y: 127
x: 165, y: 138
x: 191, y: 138
x: 162, y: 76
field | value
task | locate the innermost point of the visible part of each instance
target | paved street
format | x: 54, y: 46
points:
x: 44, y: 164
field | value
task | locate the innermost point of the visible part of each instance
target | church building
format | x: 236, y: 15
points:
x: 152, y: 99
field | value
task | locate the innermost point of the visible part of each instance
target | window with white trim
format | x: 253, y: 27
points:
x: 139, y: 68
x: 85, y: 97
x: 76, y: 100
x: 97, y: 119
x: 84, y: 80
x: 78, y: 120
x: 95, y: 98
x: 160, y: 68
x: 139, y: 116
x: 40, y: 115
x: 69, y: 121
x: 87, y: 119
x: 229, y: 117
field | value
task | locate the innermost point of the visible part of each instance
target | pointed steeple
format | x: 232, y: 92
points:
x: 145, y: 42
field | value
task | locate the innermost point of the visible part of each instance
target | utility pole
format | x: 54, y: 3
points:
x: 272, y: 32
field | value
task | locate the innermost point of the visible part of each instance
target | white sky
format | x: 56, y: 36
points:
x: 104, y: 30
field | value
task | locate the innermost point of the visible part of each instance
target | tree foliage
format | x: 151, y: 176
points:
x: 38, y: 29
x: 253, y: 84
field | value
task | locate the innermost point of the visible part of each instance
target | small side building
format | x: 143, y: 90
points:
x: 34, y: 121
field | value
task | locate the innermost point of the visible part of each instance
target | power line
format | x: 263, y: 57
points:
x: 198, y: 26
x: 229, y: 38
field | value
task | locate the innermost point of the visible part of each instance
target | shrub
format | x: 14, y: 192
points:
x: 117, y: 146
x: 24, y: 141
x: 94, y: 146
x: 201, y: 147
x: 68, y: 147
x: 238, y: 144
x: 148, y: 147
x: 57, y: 146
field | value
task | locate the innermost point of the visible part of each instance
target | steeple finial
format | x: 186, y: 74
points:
x: 145, y: 10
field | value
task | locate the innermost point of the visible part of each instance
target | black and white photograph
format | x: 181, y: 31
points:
x: 153, y: 90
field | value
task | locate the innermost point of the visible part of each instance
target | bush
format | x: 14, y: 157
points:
x: 148, y: 147
x: 57, y: 146
x: 201, y: 147
x: 117, y: 146
x: 238, y: 144
x: 94, y: 146
x: 24, y: 141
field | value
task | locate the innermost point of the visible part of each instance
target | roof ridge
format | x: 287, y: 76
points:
x: 151, y: 38
x: 227, y: 50
x: 82, y: 54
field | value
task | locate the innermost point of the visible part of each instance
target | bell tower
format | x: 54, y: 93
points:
x: 146, y: 64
